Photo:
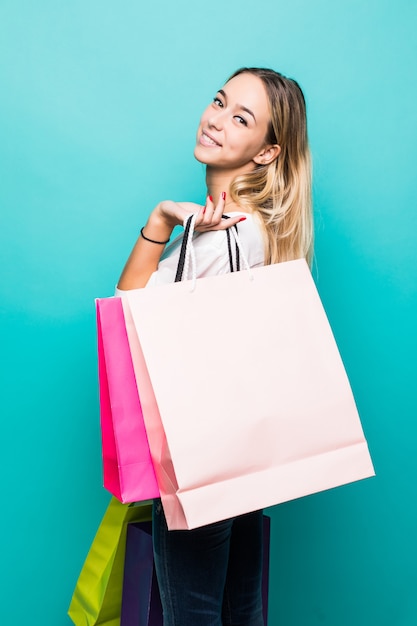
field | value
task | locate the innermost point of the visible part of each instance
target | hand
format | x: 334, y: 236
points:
x: 208, y: 217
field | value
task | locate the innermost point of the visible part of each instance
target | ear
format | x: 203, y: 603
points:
x: 267, y: 154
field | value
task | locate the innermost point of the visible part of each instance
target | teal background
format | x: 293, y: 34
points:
x: 98, y: 109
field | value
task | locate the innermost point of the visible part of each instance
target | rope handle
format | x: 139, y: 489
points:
x: 187, y: 253
x: 181, y: 261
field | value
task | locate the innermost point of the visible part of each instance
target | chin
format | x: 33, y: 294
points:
x: 199, y: 156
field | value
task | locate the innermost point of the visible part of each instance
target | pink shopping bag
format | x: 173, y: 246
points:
x: 245, y: 397
x: 127, y: 466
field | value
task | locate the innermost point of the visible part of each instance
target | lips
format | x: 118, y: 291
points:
x: 208, y: 140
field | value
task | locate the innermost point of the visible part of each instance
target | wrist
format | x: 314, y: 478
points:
x: 149, y: 240
x: 158, y: 227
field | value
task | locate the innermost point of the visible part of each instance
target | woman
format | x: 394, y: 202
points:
x: 253, y: 140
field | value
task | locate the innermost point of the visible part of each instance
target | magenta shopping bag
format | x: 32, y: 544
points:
x: 141, y: 603
x: 127, y: 466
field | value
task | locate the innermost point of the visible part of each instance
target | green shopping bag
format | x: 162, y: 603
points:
x: 97, y: 595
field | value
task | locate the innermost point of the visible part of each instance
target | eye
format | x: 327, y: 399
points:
x: 217, y: 102
x: 241, y: 120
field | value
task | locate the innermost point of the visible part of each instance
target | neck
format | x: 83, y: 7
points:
x: 217, y: 181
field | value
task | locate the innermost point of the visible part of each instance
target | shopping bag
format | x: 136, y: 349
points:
x: 127, y: 467
x: 245, y: 397
x: 97, y: 595
x: 141, y: 603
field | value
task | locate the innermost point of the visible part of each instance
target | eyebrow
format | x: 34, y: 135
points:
x: 223, y: 93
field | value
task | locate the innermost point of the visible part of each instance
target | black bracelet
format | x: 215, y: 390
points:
x: 160, y: 243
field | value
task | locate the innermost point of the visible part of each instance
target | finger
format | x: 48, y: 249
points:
x: 219, y: 209
x: 200, y: 214
x: 231, y: 221
x: 207, y: 214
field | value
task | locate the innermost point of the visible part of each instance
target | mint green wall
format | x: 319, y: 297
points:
x: 98, y: 108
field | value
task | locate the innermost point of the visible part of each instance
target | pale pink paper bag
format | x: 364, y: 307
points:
x: 127, y: 466
x: 245, y: 397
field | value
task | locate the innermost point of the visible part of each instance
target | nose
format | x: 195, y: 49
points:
x: 216, y: 120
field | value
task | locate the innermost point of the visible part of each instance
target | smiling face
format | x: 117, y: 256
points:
x: 232, y: 130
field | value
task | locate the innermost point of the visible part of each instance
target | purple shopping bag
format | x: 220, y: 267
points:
x: 127, y: 465
x: 141, y: 604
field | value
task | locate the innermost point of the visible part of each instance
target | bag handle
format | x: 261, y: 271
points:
x: 187, y: 251
x: 181, y: 261
x: 229, y: 248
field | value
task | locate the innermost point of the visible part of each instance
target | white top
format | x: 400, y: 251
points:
x: 211, y: 252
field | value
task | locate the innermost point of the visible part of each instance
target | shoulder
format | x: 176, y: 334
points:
x: 251, y: 236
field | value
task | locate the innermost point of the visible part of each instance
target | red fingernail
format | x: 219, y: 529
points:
x: 242, y: 219
x: 223, y: 195
x: 211, y: 199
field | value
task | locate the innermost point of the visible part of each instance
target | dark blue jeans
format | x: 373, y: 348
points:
x: 210, y: 576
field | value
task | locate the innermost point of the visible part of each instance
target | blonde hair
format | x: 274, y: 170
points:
x: 280, y: 193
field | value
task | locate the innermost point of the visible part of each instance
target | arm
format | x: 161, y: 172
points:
x: 145, y: 256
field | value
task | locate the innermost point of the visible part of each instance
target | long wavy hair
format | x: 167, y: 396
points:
x: 280, y: 193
